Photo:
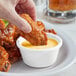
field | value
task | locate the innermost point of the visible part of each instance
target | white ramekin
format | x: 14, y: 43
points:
x: 39, y: 57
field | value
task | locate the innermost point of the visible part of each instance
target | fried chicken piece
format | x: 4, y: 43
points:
x: 4, y: 65
x: 7, y: 36
x: 14, y: 54
x: 4, y: 62
x: 8, y: 39
x: 40, y: 25
x: 36, y: 36
x: 3, y: 53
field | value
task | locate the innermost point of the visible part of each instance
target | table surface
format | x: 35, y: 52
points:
x: 70, y: 29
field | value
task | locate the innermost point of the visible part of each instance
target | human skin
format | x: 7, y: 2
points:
x: 10, y: 10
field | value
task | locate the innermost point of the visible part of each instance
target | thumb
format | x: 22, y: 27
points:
x: 22, y: 24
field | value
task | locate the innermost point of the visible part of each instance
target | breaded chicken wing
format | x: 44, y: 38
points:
x: 4, y: 65
x: 36, y: 36
x: 4, y: 62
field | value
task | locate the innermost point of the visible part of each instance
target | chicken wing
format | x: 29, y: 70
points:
x: 4, y: 65
x: 3, y: 53
x: 8, y: 39
x: 36, y: 36
x: 4, y: 62
x: 14, y: 54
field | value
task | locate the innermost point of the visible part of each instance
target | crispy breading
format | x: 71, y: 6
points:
x: 3, y: 53
x: 14, y: 54
x: 36, y: 36
x: 40, y: 25
x: 8, y: 38
x: 4, y: 62
x: 4, y: 65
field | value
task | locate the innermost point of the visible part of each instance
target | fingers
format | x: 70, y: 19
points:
x: 11, y: 15
x: 29, y: 7
x: 31, y: 10
x: 15, y: 19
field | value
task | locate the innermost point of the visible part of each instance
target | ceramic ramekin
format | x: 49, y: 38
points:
x: 40, y: 57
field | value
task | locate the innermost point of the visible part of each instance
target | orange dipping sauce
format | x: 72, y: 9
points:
x: 50, y: 44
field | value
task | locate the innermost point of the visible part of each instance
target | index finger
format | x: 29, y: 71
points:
x: 28, y: 6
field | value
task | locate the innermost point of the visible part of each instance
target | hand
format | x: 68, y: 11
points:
x: 10, y: 10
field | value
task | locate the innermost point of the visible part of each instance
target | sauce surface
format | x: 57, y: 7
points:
x: 50, y: 43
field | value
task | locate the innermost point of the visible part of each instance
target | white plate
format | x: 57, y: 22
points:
x: 65, y: 59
